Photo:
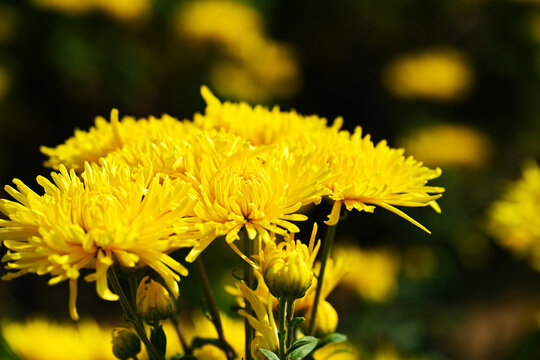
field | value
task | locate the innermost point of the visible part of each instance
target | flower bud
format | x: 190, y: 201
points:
x: 126, y: 344
x: 326, y: 321
x: 287, y: 268
x: 154, y: 302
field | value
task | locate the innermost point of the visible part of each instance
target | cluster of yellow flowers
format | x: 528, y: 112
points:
x: 250, y: 64
x: 130, y: 192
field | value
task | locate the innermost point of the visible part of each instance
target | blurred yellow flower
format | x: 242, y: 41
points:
x: 227, y: 23
x: 337, y: 351
x: 105, y: 137
x: 252, y: 66
x: 443, y: 75
x: 367, y: 175
x: 372, y: 274
x: 40, y: 339
x: 326, y: 321
x: 513, y: 219
x: 121, y: 9
x: 449, y: 144
x: 264, y: 70
x: 107, y: 216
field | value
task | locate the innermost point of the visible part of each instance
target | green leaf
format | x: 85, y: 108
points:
x: 332, y: 338
x: 302, y: 347
x: 159, y: 340
x: 269, y: 354
x: 184, y: 357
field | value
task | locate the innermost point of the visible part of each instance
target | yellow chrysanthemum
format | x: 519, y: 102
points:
x: 263, y: 322
x: 514, y: 220
x: 372, y: 273
x: 439, y: 75
x: 106, y: 216
x: 287, y: 267
x: 449, y: 144
x: 258, y: 124
x: 227, y: 23
x: 41, y: 339
x: 368, y: 175
x: 105, y: 137
x: 260, y: 190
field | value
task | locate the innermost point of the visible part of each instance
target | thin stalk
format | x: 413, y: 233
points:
x: 327, y: 249
x: 290, y: 317
x: 212, y: 307
x: 283, y: 331
x: 248, y: 279
x: 132, y: 286
x: 132, y: 316
x: 183, y: 342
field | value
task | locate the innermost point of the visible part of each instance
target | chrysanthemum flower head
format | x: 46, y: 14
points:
x: 513, y: 219
x: 368, y: 175
x: 105, y: 137
x: 106, y: 216
x: 260, y: 190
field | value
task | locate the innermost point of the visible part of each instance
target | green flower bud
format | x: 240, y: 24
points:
x: 126, y: 344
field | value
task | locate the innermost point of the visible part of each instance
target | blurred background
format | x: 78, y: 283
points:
x: 454, y: 82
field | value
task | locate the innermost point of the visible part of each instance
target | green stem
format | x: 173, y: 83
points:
x: 290, y: 317
x: 327, y: 249
x: 187, y: 349
x: 283, y: 333
x: 248, y: 279
x: 212, y: 307
x: 132, y: 315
